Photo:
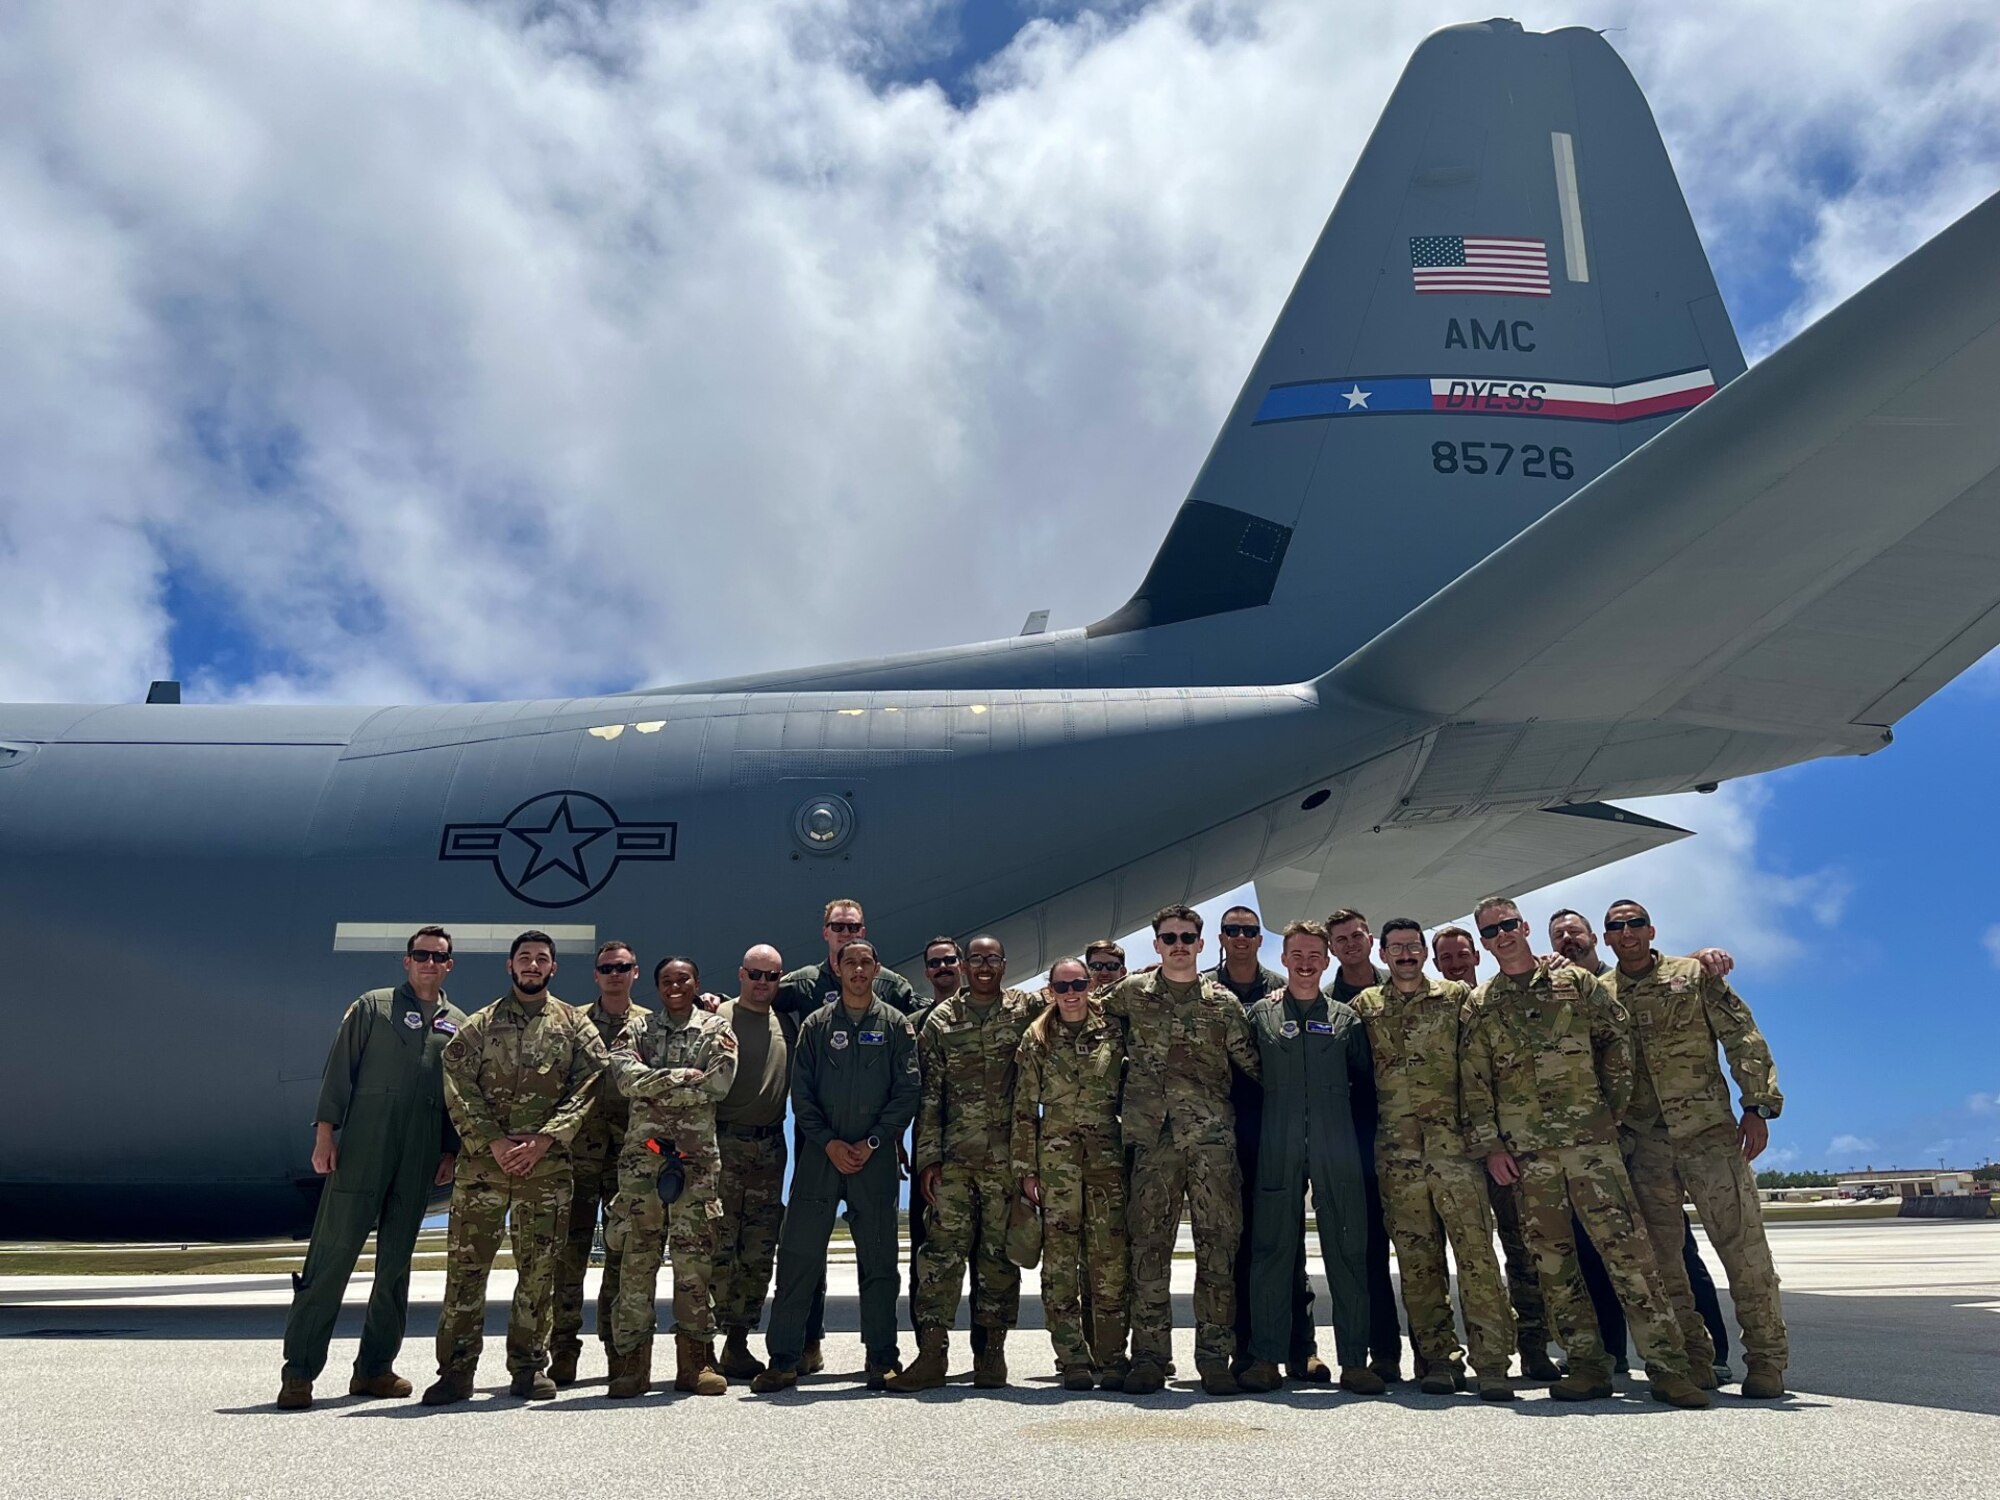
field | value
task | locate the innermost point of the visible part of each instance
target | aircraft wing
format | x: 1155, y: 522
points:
x: 1433, y: 872
x: 1810, y: 553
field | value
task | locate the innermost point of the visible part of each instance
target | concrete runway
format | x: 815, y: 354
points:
x: 141, y: 1387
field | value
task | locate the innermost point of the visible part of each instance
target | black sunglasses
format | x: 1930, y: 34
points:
x: 1068, y: 986
x: 615, y: 968
x: 1106, y: 965
x: 1633, y: 922
x: 428, y: 956
x: 1494, y: 929
x: 848, y: 929
x: 1170, y: 938
x: 949, y: 961
x: 1237, y: 929
x: 764, y: 976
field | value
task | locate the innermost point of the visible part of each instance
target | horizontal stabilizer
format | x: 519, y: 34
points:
x: 1815, y: 548
x: 1435, y: 871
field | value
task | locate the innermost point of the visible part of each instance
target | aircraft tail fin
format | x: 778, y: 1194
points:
x: 1509, y: 297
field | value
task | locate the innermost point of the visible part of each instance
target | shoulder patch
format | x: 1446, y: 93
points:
x: 412, y: 1020
x: 837, y: 1040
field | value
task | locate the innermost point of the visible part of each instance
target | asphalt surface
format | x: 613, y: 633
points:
x: 142, y: 1387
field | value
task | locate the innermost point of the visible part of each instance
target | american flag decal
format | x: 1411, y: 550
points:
x: 1447, y: 264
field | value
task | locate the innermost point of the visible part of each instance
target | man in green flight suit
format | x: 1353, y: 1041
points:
x: 383, y: 1091
x: 854, y: 1090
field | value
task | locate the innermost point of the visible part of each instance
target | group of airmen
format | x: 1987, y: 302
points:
x: 1569, y: 1103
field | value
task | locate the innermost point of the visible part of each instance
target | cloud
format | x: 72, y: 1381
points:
x: 1849, y: 1147
x: 1778, y: 1159
x: 1991, y: 939
x: 443, y: 349
x: 1983, y: 1103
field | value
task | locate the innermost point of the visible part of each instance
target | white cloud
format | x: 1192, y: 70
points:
x: 491, y: 350
x: 1983, y: 1103
x: 1992, y: 941
x: 1778, y: 1159
x: 1849, y: 1147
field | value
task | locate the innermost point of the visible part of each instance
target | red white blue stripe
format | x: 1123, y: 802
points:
x: 1486, y: 396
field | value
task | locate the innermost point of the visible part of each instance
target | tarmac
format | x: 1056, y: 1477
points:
x: 125, y: 1386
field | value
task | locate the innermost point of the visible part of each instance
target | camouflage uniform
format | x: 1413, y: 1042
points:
x: 673, y: 1072
x: 1181, y: 1040
x: 593, y: 1161
x: 1429, y: 1180
x: 513, y: 1069
x: 753, y: 1156
x: 965, y: 1055
x: 1546, y: 1068
x: 1524, y: 1290
x: 1685, y: 1142
x: 1066, y: 1135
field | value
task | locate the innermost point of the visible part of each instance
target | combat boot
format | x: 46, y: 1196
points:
x: 1442, y: 1379
x: 1077, y: 1378
x: 1312, y: 1370
x: 562, y: 1366
x: 1495, y: 1388
x: 876, y: 1377
x: 1388, y: 1370
x: 989, y: 1369
x: 1362, y: 1380
x: 1144, y: 1378
x: 1259, y: 1376
x: 631, y: 1374
x: 1111, y: 1374
x: 1536, y: 1364
x: 1703, y: 1375
x: 388, y: 1386
x: 738, y: 1363
x: 454, y: 1385
x: 774, y: 1379
x: 694, y: 1367
x: 811, y: 1360
x: 1581, y: 1385
x: 1763, y: 1381
x: 294, y: 1394
x: 532, y: 1385
x: 1676, y: 1390
x: 1215, y: 1377
x: 928, y: 1370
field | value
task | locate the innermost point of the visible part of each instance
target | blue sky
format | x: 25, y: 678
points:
x: 303, y: 359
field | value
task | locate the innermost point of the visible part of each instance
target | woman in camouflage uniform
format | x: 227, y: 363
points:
x: 1071, y: 1163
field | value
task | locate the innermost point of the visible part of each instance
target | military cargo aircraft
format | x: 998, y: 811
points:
x: 1499, y: 529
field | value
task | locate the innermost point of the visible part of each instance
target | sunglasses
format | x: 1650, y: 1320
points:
x: 615, y: 968
x: 845, y: 929
x: 1068, y: 986
x: 1237, y: 929
x: 1107, y: 966
x: 1633, y: 922
x: 764, y: 976
x: 1494, y: 929
x: 1170, y: 938
x: 427, y: 956
x: 987, y: 960
x: 949, y: 961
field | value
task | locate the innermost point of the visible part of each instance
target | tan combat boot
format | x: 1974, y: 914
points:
x: 1078, y: 1378
x: 928, y: 1370
x: 1495, y: 1388
x: 774, y: 1379
x: 631, y: 1374
x: 1259, y: 1376
x: 812, y: 1360
x: 562, y: 1366
x: 1362, y: 1380
x: 1676, y: 1390
x: 532, y: 1385
x: 1763, y: 1381
x: 294, y: 1394
x: 388, y: 1386
x: 452, y: 1385
x: 1581, y: 1385
x: 694, y: 1367
x: 1442, y: 1379
x: 1216, y: 1378
x: 738, y: 1363
x: 989, y: 1370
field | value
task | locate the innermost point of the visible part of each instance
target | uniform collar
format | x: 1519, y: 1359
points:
x: 1651, y: 970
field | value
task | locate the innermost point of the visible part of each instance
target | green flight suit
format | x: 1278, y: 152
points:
x: 852, y: 1077
x: 383, y: 1093
x: 1315, y: 1055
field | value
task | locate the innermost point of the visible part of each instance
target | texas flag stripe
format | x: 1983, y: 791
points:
x: 1486, y: 396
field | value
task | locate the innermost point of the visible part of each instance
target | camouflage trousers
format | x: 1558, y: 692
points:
x: 1206, y: 1177
x: 1524, y: 1290
x: 1084, y: 1252
x: 753, y: 1209
x: 968, y: 1220
x: 1591, y: 1181
x: 640, y: 1229
x: 1710, y: 1169
x: 486, y: 1204
x: 592, y: 1185
x: 1430, y: 1202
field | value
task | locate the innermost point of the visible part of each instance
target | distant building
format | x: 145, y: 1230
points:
x: 1906, y: 1182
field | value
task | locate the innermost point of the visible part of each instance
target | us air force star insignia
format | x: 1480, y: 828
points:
x: 1289, y: 1030
x: 558, y: 848
x: 837, y: 1041
x: 1357, y: 397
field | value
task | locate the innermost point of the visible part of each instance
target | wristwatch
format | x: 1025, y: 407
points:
x: 1763, y: 1112
x: 874, y: 1143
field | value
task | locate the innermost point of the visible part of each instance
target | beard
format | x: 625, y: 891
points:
x: 531, y: 986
